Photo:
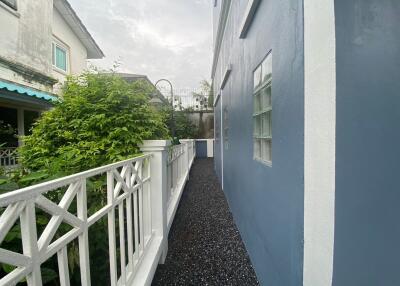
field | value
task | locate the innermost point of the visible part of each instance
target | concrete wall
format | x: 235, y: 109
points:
x: 367, y: 229
x: 77, y: 51
x: 204, y: 120
x: 27, y: 35
x: 266, y: 202
x: 26, y: 38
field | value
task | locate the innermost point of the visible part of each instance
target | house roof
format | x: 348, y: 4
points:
x: 133, y: 77
x: 72, y: 19
x: 130, y: 77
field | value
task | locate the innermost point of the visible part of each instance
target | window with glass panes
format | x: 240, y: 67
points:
x: 262, y: 111
x: 226, y: 128
x: 59, y: 57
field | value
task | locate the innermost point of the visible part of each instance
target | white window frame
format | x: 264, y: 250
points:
x: 225, y: 117
x: 58, y: 44
x: 262, y: 109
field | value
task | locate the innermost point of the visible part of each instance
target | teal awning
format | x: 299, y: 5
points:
x: 27, y: 91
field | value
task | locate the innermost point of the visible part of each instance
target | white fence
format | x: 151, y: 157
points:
x: 180, y: 159
x: 141, y: 202
x: 8, y: 157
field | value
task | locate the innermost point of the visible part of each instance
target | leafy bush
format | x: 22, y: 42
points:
x: 184, y: 128
x: 101, y: 119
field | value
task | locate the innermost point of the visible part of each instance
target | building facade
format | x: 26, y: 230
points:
x: 306, y: 116
x: 42, y: 42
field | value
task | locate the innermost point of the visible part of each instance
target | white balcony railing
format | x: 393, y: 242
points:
x: 141, y: 203
x: 8, y: 157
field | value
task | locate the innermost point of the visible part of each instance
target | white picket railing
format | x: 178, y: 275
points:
x: 180, y: 159
x: 8, y: 157
x: 137, y: 206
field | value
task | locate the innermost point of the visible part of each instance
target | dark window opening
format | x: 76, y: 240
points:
x: 30, y: 117
x: 8, y: 127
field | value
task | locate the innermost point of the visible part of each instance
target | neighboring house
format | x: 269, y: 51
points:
x: 41, y: 43
x: 307, y: 113
x: 157, y: 98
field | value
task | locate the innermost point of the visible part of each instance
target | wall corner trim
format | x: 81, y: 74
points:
x: 319, y: 141
x: 248, y: 17
x: 223, y: 18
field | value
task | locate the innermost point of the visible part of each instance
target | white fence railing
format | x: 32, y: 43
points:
x: 180, y: 159
x: 136, y: 208
x: 8, y: 157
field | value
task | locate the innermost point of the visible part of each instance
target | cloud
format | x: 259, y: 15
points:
x: 160, y: 38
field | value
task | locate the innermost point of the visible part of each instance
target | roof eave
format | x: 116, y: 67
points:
x: 72, y: 19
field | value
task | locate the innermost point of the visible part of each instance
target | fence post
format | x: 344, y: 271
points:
x: 158, y: 188
x: 186, y: 156
x: 193, y: 148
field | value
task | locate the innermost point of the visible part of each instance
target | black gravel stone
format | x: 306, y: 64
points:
x: 205, y: 247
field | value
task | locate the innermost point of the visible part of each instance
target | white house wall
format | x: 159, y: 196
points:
x: 77, y: 51
x: 26, y: 39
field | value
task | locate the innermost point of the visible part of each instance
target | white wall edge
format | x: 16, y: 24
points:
x: 223, y: 18
x: 210, y: 148
x: 319, y: 141
x: 248, y: 17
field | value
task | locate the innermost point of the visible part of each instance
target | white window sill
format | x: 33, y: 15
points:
x: 10, y: 10
x: 63, y: 72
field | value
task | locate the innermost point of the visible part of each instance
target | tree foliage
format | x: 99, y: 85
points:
x: 184, y: 128
x: 101, y: 119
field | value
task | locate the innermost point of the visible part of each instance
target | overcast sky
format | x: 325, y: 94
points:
x: 160, y: 38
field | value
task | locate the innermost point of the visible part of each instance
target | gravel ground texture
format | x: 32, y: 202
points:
x: 205, y: 247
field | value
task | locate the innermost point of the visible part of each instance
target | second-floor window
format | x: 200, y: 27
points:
x: 60, y: 57
x: 10, y: 3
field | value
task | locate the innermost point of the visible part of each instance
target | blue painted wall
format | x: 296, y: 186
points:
x: 201, y: 149
x: 367, y: 228
x: 266, y: 202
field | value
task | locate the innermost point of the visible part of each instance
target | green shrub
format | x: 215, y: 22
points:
x: 101, y: 119
x: 184, y: 128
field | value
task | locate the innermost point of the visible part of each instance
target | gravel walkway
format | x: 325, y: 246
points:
x: 205, y: 247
